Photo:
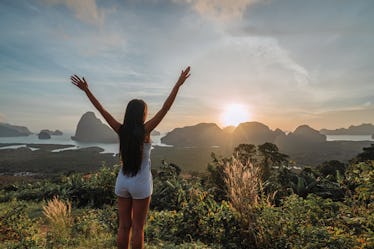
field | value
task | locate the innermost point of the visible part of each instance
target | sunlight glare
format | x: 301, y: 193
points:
x: 234, y: 114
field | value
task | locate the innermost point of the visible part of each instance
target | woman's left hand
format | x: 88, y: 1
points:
x: 184, y: 75
x: 81, y: 83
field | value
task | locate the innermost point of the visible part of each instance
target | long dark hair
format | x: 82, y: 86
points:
x: 131, y: 136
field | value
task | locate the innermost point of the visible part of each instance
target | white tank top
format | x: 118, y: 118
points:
x: 145, y: 166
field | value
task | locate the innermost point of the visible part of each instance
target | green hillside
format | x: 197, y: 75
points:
x: 256, y: 198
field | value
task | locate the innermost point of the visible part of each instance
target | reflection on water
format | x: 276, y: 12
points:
x: 68, y: 148
x: 349, y: 138
x: 18, y: 146
x: 65, y: 139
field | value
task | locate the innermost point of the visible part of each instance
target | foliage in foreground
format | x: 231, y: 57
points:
x: 186, y: 214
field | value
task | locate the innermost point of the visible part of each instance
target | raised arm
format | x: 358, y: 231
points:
x: 153, y: 122
x: 82, y: 84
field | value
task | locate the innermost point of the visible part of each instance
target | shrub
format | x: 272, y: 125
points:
x: 360, y: 180
x: 162, y: 226
x: 96, y: 189
x: 208, y: 221
x: 170, y: 189
x: 17, y: 230
x: 108, y: 217
x: 300, y: 223
x: 331, y: 169
x: 187, y: 245
x: 200, y: 218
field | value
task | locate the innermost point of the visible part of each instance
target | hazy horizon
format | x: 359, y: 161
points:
x: 287, y: 63
x: 67, y: 131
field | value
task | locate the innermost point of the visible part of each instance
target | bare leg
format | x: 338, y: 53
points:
x: 139, y: 209
x: 124, y: 212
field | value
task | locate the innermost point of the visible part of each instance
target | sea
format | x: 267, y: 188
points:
x: 66, y: 140
x: 349, y: 138
x: 114, y: 147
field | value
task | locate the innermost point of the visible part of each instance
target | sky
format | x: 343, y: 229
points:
x: 287, y: 62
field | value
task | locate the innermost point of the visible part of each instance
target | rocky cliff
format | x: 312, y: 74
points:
x: 304, y: 138
x: 203, y: 134
x: 254, y: 133
x: 8, y: 130
x: 209, y: 134
x: 91, y: 129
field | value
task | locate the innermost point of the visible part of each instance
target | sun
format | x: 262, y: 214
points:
x: 234, y: 114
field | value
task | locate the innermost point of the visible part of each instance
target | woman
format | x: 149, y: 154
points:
x: 134, y: 181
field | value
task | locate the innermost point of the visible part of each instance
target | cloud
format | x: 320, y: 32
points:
x: 341, y: 118
x: 94, y: 42
x: 255, y: 64
x: 2, y: 118
x: 368, y: 103
x: 85, y: 10
x: 223, y: 10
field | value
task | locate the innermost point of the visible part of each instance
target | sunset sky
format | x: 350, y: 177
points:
x: 286, y: 62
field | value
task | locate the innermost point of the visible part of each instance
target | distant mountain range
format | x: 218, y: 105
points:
x: 305, y: 145
x: 91, y: 129
x: 209, y: 134
x: 363, y: 129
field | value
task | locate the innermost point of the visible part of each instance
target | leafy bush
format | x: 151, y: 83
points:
x: 162, y: 225
x: 200, y: 218
x: 299, y: 223
x: 95, y: 189
x: 265, y: 157
x: 170, y: 189
x: 331, y: 169
x: 366, y: 155
x: 215, y: 181
x: 187, y: 245
x: 185, y: 213
x: 360, y: 180
x: 17, y: 229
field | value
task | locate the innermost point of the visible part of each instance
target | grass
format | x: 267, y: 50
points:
x: 58, y: 213
x: 243, y: 183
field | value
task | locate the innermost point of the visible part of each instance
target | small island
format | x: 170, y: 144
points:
x: 57, y: 133
x: 44, y: 135
x: 155, y: 133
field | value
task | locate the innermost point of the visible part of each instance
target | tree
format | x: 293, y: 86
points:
x: 330, y: 169
x: 216, y: 177
x: 366, y: 155
x: 271, y: 157
x: 246, y: 152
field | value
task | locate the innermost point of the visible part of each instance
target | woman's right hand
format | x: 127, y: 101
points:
x: 81, y: 83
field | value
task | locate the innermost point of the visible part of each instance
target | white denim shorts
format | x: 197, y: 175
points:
x: 139, y: 186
